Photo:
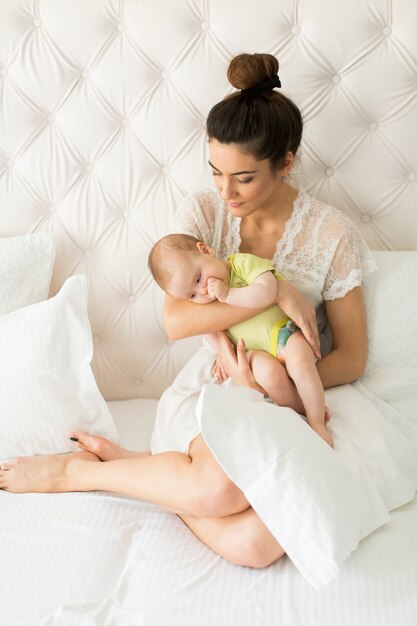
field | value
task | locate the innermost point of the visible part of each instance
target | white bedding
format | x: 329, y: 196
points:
x: 103, y: 560
x: 319, y: 503
x: 99, y: 559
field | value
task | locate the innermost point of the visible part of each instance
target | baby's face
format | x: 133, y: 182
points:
x: 192, y: 271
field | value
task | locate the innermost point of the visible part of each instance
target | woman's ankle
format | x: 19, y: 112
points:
x: 76, y: 471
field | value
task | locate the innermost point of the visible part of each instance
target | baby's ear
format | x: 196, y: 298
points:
x: 204, y: 248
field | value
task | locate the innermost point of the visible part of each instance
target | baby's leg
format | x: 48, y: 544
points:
x: 271, y: 375
x: 301, y: 366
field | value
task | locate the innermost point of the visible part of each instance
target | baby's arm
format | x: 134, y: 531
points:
x: 262, y: 292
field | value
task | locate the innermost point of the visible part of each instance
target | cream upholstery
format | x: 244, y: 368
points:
x: 102, y: 134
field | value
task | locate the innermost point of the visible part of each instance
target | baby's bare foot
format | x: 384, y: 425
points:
x: 42, y: 474
x: 321, y: 430
x: 103, y: 448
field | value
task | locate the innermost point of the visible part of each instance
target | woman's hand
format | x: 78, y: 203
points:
x: 236, y: 363
x: 297, y: 308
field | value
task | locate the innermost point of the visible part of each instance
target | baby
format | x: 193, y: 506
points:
x: 188, y: 269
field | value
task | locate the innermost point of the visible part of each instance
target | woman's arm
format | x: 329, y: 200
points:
x: 297, y: 308
x: 347, y: 319
x: 183, y: 318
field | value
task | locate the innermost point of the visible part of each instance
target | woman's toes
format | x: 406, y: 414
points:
x: 85, y: 441
x: 100, y: 446
x: 6, y: 465
x: 78, y: 436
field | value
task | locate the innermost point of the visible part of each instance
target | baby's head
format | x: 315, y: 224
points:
x: 182, y: 265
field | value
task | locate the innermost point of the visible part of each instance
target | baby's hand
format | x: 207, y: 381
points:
x: 217, y: 289
x: 219, y: 371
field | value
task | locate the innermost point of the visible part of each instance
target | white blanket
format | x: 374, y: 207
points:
x: 318, y: 502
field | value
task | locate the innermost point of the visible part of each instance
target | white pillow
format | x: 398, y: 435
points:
x: 318, y: 502
x: 26, y: 265
x: 391, y: 303
x: 47, y: 388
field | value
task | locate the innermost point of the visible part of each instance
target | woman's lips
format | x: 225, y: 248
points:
x: 234, y: 205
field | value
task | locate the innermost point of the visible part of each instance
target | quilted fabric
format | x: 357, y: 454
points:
x: 26, y: 264
x: 102, y: 134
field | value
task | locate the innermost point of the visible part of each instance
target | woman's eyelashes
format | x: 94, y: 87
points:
x: 243, y: 181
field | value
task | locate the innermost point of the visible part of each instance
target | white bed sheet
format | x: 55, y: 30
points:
x: 99, y: 559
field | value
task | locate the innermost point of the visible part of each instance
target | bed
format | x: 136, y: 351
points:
x: 101, y: 136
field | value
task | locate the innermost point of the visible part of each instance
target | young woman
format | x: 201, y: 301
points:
x: 254, y: 136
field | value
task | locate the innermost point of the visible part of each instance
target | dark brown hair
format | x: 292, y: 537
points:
x: 267, y: 124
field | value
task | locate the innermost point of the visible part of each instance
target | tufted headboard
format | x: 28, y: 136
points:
x: 102, y: 111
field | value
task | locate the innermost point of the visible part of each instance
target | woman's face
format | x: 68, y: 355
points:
x: 243, y: 182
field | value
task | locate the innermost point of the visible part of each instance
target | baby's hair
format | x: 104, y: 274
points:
x: 160, y: 258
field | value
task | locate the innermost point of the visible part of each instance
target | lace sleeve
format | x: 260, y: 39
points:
x: 196, y: 216
x: 351, y: 260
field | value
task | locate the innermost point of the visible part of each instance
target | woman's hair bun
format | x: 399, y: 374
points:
x: 247, y: 70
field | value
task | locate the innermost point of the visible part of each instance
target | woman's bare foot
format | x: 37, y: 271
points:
x: 43, y: 473
x: 102, y: 447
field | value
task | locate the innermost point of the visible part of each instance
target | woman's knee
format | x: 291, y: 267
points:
x: 255, y: 546
x: 212, y: 493
x: 217, y: 497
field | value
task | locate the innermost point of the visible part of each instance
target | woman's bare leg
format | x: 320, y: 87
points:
x: 242, y: 538
x: 194, y: 484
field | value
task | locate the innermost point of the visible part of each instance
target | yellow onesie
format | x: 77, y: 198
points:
x: 260, y: 332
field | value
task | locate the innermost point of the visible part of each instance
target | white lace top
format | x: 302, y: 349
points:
x: 321, y: 250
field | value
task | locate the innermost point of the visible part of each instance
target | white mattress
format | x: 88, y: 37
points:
x: 88, y: 559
